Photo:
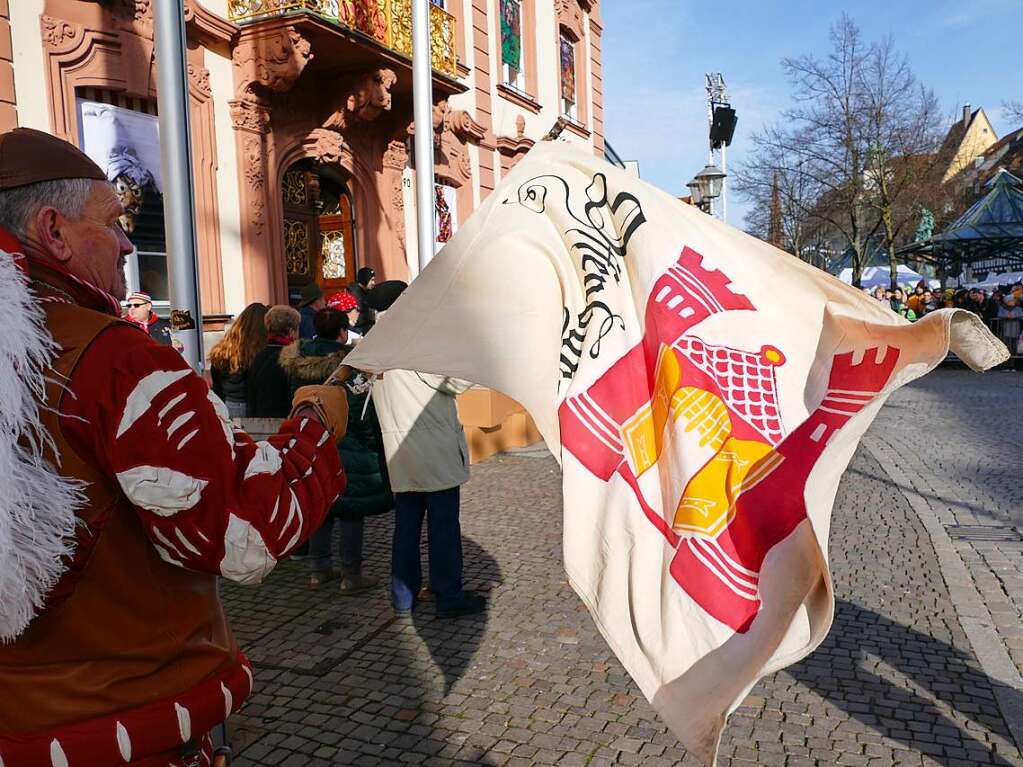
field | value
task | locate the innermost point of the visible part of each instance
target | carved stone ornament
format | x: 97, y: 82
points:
x: 271, y: 63
x: 465, y: 127
x: 372, y: 95
x: 327, y: 146
x: 249, y: 115
x: 520, y: 126
x: 569, y: 15
x: 57, y: 32
x: 396, y: 155
x: 252, y: 156
x: 135, y: 15
x: 199, y: 78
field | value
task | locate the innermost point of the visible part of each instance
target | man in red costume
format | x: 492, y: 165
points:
x: 125, y: 495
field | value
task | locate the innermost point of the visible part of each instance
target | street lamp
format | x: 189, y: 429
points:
x: 695, y: 193
x: 709, y: 181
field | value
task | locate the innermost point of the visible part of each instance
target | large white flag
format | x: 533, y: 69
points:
x: 703, y: 391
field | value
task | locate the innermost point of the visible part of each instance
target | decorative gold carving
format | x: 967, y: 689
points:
x: 332, y: 255
x: 293, y: 186
x: 442, y: 40
x: 386, y: 21
x: 56, y: 32
x: 296, y: 246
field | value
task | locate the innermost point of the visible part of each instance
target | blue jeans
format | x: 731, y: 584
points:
x: 349, y: 548
x: 444, y: 534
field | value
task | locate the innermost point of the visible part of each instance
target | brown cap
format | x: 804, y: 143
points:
x: 29, y: 156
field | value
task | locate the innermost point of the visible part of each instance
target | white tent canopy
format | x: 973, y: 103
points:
x: 877, y: 275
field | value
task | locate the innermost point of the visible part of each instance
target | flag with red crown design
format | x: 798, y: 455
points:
x: 703, y: 392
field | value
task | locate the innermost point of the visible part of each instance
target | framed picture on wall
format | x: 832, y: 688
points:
x: 125, y: 143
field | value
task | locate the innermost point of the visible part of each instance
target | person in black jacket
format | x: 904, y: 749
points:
x: 230, y: 359
x: 268, y: 393
x: 362, y: 454
x: 139, y: 311
x: 365, y: 279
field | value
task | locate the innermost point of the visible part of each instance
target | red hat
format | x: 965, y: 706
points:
x: 343, y: 301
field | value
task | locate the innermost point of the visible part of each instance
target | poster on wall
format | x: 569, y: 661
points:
x: 126, y: 145
x: 446, y: 216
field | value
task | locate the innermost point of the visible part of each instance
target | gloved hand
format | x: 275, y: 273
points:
x: 328, y: 403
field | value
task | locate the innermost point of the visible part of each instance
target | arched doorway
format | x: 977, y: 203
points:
x: 319, y: 228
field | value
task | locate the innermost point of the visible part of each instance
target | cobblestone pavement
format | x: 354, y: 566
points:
x: 974, y: 479
x: 340, y: 681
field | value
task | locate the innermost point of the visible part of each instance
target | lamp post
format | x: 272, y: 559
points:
x: 178, y: 188
x: 707, y: 186
x: 422, y: 101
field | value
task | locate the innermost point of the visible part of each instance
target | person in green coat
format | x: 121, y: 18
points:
x: 362, y: 454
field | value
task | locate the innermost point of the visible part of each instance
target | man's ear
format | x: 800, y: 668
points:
x: 51, y: 234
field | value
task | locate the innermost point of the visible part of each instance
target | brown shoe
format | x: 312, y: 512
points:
x: 356, y: 583
x: 320, y: 577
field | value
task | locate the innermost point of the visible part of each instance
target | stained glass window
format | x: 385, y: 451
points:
x: 567, y: 76
x: 511, y: 40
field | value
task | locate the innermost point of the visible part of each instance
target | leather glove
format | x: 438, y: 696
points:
x: 330, y: 405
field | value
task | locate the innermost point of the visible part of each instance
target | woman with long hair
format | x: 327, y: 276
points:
x: 229, y: 360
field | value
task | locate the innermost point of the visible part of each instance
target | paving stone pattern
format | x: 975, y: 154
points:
x: 957, y: 436
x: 341, y: 681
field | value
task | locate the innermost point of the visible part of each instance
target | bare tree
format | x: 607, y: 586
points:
x: 1013, y: 110
x: 901, y: 124
x: 851, y: 151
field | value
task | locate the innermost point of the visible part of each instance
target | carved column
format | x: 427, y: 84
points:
x: 265, y: 62
x: 204, y: 166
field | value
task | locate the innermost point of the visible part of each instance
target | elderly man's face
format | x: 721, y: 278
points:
x: 139, y: 310
x: 95, y: 245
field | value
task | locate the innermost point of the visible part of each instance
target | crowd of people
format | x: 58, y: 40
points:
x: 404, y: 450
x: 1001, y: 309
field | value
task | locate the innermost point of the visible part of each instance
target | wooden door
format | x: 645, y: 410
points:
x: 335, y: 268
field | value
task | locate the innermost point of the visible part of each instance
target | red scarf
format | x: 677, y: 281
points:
x: 279, y: 340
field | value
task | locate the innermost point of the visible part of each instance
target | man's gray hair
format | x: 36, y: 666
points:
x: 19, y: 206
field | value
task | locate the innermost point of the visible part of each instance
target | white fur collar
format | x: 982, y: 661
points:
x: 37, y: 505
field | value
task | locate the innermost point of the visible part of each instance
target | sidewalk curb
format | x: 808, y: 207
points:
x: 969, y: 606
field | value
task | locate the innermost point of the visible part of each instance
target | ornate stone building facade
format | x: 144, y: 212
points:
x: 302, y: 121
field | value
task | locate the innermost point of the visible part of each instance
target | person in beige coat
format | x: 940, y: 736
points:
x: 427, y: 461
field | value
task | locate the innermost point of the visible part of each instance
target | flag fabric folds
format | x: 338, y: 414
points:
x: 703, y: 392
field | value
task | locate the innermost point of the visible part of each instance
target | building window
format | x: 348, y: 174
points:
x: 122, y: 136
x: 446, y: 214
x: 438, y: 3
x: 568, y: 86
x: 511, y: 43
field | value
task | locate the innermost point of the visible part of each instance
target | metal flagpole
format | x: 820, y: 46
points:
x: 178, y: 191
x: 422, y: 97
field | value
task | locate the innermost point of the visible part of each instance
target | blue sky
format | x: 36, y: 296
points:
x: 656, y: 52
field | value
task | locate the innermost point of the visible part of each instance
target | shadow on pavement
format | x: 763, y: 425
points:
x: 904, y: 685
x: 452, y: 642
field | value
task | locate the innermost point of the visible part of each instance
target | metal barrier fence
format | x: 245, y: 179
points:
x: 1010, y: 332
